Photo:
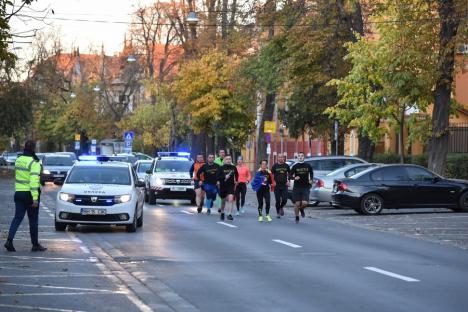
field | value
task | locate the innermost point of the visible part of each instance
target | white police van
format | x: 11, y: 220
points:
x: 169, y: 178
x: 99, y: 191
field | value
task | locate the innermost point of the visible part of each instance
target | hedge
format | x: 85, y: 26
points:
x: 457, y: 164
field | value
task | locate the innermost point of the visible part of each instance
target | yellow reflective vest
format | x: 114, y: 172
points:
x: 27, y: 172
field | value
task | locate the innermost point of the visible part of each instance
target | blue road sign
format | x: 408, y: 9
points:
x: 128, y: 135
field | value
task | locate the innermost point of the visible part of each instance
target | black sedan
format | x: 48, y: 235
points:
x: 399, y: 186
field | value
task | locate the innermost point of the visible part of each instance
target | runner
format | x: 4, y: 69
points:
x: 200, y: 193
x: 303, y: 175
x: 227, y: 180
x: 220, y: 161
x: 261, y: 184
x: 280, y: 171
x: 209, y: 171
x: 241, y: 188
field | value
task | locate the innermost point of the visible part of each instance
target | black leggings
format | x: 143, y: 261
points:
x: 241, y: 190
x: 263, y: 194
x: 281, y: 197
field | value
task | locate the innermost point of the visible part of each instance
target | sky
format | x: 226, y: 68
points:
x: 82, y: 34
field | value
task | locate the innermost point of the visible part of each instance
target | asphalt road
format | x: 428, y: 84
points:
x: 184, y: 261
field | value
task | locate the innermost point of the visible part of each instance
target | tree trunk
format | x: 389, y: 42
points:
x: 443, y: 87
x: 401, y: 138
x: 366, y: 147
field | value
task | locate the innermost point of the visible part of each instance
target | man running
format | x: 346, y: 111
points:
x: 241, y: 188
x: 280, y: 171
x: 227, y: 180
x: 303, y: 175
x: 209, y: 171
x: 220, y: 161
x: 199, y: 193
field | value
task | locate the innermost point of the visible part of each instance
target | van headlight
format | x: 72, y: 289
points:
x: 158, y: 181
x: 67, y: 197
x: 46, y: 171
x: 121, y: 199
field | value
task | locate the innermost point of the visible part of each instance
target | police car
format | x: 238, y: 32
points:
x: 99, y: 191
x: 169, y: 178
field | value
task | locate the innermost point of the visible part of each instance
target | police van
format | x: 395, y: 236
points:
x: 169, y: 178
x: 99, y: 191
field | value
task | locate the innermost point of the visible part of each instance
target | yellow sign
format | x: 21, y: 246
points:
x: 269, y: 127
x: 77, y: 137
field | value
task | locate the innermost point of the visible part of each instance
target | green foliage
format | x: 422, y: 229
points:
x: 15, y: 109
x: 457, y: 167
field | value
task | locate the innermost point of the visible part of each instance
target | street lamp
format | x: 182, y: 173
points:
x: 131, y: 58
x: 192, y: 19
x: 96, y: 88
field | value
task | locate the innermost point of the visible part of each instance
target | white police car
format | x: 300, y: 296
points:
x: 100, y: 192
x: 169, y: 178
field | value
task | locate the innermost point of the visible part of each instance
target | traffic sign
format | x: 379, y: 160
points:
x: 93, y: 146
x: 269, y: 127
x: 77, y: 137
x: 268, y: 137
x: 268, y: 149
x: 128, y: 135
x: 77, y: 145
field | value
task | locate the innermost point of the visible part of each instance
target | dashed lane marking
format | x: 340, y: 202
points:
x: 391, y: 274
x: 59, y: 294
x: 227, y: 224
x: 64, y: 287
x: 286, y: 243
x: 36, y: 308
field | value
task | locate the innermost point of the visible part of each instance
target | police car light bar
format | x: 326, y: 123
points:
x: 174, y: 154
x: 93, y: 158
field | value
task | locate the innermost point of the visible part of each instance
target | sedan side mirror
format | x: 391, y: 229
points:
x: 140, y: 183
x: 58, y: 181
x: 435, y: 179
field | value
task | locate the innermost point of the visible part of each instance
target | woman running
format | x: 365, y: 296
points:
x: 241, y: 188
x: 261, y: 184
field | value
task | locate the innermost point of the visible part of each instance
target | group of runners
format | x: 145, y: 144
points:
x: 219, y: 182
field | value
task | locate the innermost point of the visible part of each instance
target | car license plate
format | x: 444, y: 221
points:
x: 177, y: 189
x: 92, y: 211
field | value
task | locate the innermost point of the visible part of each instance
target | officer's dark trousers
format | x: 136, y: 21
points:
x: 23, y: 202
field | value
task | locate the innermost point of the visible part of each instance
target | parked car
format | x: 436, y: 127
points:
x: 323, y: 185
x: 128, y: 158
x: 141, y: 167
x: 56, y: 166
x: 8, y: 158
x: 70, y: 154
x: 141, y: 156
x: 399, y: 186
x: 323, y: 165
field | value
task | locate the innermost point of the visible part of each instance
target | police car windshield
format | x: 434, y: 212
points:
x: 172, y: 166
x: 58, y: 161
x: 143, y: 167
x: 99, y: 175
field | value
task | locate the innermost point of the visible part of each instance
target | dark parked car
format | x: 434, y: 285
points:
x: 399, y: 186
x: 56, y: 166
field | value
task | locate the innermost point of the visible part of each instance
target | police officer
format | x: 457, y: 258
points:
x: 27, y: 189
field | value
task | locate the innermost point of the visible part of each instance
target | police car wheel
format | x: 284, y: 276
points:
x: 140, y: 220
x: 152, y: 197
x: 131, y: 228
x: 60, y: 226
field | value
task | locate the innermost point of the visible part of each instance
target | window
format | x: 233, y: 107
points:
x: 419, y: 174
x: 351, y: 161
x: 393, y: 173
x: 97, y: 175
x: 331, y: 164
x: 143, y: 167
x: 58, y: 161
x: 172, y: 166
x: 354, y: 171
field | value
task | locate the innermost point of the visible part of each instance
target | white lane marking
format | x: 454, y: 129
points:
x: 187, y: 212
x: 77, y: 240
x: 227, y: 224
x: 59, y: 294
x: 391, y: 274
x: 63, y: 287
x: 15, y: 306
x: 54, y: 275
x: 85, y: 249
x: 286, y: 243
x: 47, y: 258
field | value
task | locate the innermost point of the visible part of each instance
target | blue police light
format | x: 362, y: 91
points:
x: 87, y: 158
x: 183, y: 154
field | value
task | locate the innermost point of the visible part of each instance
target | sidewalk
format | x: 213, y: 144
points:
x: 64, y: 278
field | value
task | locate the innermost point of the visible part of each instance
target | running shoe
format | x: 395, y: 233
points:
x: 302, y: 212
x: 260, y: 219
x: 281, y: 211
x: 219, y: 210
x: 230, y: 218
x: 208, y: 211
x: 237, y: 213
x: 199, y: 209
x: 242, y: 210
x: 297, y: 219
x: 278, y: 217
x: 222, y: 216
x: 268, y: 218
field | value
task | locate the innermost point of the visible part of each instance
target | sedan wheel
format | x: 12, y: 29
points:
x: 463, y: 204
x: 371, y: 204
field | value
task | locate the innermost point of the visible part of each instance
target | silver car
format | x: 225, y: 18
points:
x: 323, y: 185
x: 141, y: 166
x: 56, y: 166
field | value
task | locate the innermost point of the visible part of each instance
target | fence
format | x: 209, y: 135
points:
x: 458, y: 142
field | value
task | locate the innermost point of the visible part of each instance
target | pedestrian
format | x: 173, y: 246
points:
x: 227, y: 180
x: 241, y: 188
x: 220, y: 161
x: 27, y: 196
x: 303, y: 175
x: 280, y: 171
x: 261, y: 184
x: 207, y: 177
x: 199, y: 192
